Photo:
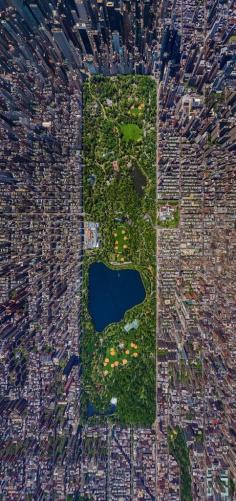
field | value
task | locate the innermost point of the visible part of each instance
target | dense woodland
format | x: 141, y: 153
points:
x: 179, y: 449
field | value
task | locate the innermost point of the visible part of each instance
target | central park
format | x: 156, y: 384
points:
x: 118, y: 347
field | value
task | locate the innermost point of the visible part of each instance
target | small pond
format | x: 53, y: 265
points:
x: 112, y: 293
x: 139, y: 180
x: 92, y: 411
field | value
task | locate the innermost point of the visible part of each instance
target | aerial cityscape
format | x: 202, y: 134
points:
x: 118, y: 243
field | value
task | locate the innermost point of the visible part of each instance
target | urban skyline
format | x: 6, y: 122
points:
x: 49, y: 51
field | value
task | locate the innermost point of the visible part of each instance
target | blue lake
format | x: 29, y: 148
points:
x: 112, y: 293
x: 92, y: 411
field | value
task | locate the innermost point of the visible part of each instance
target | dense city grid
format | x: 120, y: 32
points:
x: 48, y: 50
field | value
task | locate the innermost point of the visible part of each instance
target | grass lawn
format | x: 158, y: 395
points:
x: 118, y: 357
x: 121, y: 243
x: 131, y: 132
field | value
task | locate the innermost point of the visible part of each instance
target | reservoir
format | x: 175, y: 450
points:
x: 112, y: 293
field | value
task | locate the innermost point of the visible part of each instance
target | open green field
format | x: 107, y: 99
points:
x: 121, y: 244
x: 131, y: 132
x: 119, y: 356
x: 119, y: 137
